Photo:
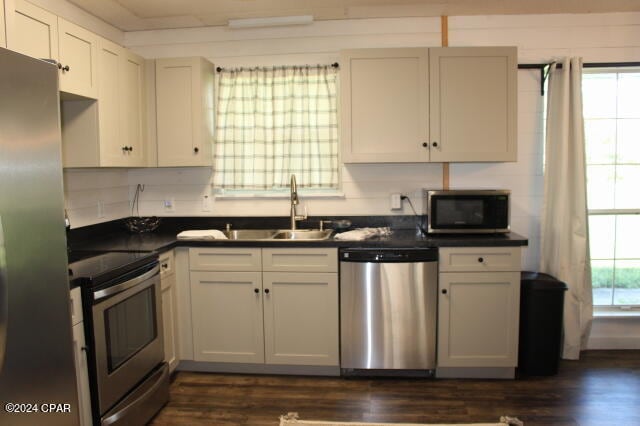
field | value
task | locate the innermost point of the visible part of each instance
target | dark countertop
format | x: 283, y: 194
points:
x: 162, y: 241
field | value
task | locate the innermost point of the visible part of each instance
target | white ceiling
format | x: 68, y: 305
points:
x: 133, y: 15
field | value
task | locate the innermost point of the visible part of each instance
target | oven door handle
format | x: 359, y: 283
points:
x: 110, y: 291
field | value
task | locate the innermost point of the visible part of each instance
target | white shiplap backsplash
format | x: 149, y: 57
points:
x: 91, y: 193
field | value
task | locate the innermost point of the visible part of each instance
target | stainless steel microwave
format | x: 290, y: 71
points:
x: 467, y: 211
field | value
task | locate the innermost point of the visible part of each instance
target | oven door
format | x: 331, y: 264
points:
x: 127, y: 326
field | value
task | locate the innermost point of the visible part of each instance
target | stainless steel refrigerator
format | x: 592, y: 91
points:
x: 36, y: 354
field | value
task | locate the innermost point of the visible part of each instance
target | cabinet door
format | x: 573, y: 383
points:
x: 82, y: 375
x: 112, y: 147
x: 478, y: 317
x: 385, y: 101
x: 184, y: 111
x: 78, y: 51
x: 132, y: 111
x: 169, y: 320
x: 35, y: 31
x: 226, y: 309
x: 473, y: 103
x: 301, y: 318
x: 3, y: 39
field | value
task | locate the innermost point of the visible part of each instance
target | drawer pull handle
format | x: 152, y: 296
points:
x: 481, y: 259
x: 165, y: 266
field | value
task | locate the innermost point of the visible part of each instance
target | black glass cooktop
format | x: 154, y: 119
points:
x: 94, y: 268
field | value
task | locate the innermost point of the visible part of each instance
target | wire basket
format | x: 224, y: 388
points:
x: 137, y: 224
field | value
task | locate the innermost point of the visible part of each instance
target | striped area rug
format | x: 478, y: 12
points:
x: 292, y: 419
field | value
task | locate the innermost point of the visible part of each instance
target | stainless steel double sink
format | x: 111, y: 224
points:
x: 279, y: 234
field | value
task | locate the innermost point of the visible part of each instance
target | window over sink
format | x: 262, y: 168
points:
x: 275, y: 122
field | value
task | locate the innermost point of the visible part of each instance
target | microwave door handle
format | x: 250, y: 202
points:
x: 110, y: 291
x: 4, y: 298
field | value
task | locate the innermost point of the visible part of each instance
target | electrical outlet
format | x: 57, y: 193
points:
x: 169, y: 204
x: 100, y: 209
x: 206, y: 203
x: 396, y: 202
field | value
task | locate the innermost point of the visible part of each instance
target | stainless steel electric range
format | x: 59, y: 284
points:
x: 121, y: 299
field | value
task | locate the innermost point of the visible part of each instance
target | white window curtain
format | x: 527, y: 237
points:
x: 275, y: 122
x: 565, y: 236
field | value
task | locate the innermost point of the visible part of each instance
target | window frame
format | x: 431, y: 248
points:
x: 613, y: 310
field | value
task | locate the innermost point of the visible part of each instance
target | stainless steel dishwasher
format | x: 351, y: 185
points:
x: 388, y: 302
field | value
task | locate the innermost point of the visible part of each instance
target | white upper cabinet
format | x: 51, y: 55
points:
x: 41, y: 34
x: 77, y: 49
x: 120, y: 106
x: 3, y: 39
x: 429, y: 105
x: 184, y: 112
x: 35, y: 31
x: 473, y: 103
x: 385, y: 101
x: 110, y: 132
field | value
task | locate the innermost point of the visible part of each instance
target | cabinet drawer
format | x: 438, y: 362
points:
x: 225, y: 259
x: 167, y: 262
x: 76, y: 306
x: 482, y: 259
x: 300, y: 260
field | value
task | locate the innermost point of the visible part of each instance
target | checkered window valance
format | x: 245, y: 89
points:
x: 275, y: 122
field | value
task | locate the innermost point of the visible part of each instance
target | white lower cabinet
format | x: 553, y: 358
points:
x: 478, y: 310
x: 249, y: 316
x: 80, y: 359
x: 301, y: 318
x: 169, y: 309
x: 478, y: 319
x: 227, y: 316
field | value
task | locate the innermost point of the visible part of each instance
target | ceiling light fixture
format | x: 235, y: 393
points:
x: 275, y: 21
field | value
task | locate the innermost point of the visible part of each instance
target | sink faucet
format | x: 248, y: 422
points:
x: 294, y: 202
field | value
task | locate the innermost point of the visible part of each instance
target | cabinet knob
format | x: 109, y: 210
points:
x: 266, y: 290
x: 165, y: 266
x: 63, y: 68
x: 425, y: 144
x: 130, y: 148
x: 434, y: 144
x: 256, y: 290
x: 444, y: 291
x: 196, y: 149
x: 481, y: 259
x: 124, y: 148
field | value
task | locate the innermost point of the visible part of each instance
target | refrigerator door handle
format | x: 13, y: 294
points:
x: 4, y: 298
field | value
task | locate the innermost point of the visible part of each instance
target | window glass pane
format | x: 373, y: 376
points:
x: 602, y: 236
x: 627, y: 188
x: 628, y: 93
x: 600, y: 138
x: 600, y: 180
x: 599, y: 92
x: 628, y: 140
x: 627, y: 233
x: 627, y: 282
x: 602, y: 281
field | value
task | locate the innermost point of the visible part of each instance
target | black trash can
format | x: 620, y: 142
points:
x: 541, y: 309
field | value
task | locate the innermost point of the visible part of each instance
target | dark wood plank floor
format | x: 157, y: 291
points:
x: 603, y: 388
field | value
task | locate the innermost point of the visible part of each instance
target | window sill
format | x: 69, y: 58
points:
x: 282, y: 196
x: 616, y: 313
